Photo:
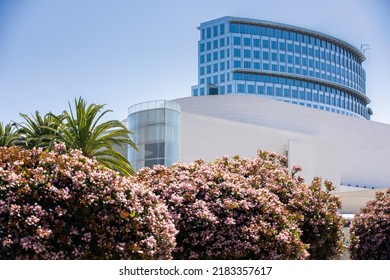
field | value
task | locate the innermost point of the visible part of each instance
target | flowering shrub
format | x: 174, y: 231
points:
x: 370, y: 230
x: 321, y: 222
x: 316, y: 209
x: 238, y: 208
x: 56, y: 205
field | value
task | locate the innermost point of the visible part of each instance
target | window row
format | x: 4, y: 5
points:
x: 214, y: 56
x: 222, y: 66
x: 310, y: 56
x: 218, y: 43
x: 288, y: 35
x: 297, y: 50
x: 286, y: 81
x: 289, y: 58
x: 346, y: 103
x: 222, y: 89
x: 302, y: 97
x: 213, y: 31
x: 282, y: 58
x: 215, y: 79
x: 296, y: 83
x: 268, y: 91
x: 216, y: 67
x: 342, y: 77
x: 280, y: 46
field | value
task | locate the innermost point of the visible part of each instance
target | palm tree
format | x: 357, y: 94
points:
x: 39, y: 131
x: 8, y: 135
x: 80, y: 129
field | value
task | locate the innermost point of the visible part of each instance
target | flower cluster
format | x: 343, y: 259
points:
x: 62, y: 205
x: 255, y: 208
x: 370, y: 230
x: 57, y: 205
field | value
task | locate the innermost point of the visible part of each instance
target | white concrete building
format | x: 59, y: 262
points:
x: 270, y: 86
x: 353, y: 153
x: 348, y: 151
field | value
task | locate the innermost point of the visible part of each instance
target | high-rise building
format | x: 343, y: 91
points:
x: 281, y: 61
x: 245, y: 67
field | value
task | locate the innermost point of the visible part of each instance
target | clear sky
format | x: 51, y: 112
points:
x: 122, y: 52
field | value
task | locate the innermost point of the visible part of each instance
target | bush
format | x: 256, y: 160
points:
x: 321, y: 222
x: 55, y: 205
x: 370, y: 230
x: 247, y: 209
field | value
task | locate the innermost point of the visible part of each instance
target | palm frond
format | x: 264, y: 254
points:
x: 8, y: 134
x: 39, y: 131
x: 82, y: 129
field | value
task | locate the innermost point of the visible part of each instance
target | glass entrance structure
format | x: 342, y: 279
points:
x: 156, y: 128
x: 281, y: 61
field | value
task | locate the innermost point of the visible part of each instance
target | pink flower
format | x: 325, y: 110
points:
x: 63, y: 200
x: 32, y: 220
x: 14, y: 209
x: 43, y: 232
x: 60, y: 147
x: 237, y: 208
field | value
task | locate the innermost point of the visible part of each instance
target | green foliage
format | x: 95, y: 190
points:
x: 322, y: 223
x: 39, y: 131
x: 370, y: 230
x: 8, y: 135
x: 79, y: 128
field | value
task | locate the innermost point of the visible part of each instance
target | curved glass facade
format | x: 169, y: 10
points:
x: 280, y: 61
x: 156, y: 127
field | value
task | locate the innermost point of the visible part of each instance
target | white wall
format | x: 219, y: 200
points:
x: 317, y: 157
x: 343, y: 149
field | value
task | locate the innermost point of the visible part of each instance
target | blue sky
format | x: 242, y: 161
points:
x: 122, y: 52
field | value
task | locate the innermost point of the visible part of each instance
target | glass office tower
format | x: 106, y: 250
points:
x: 283, y: 62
